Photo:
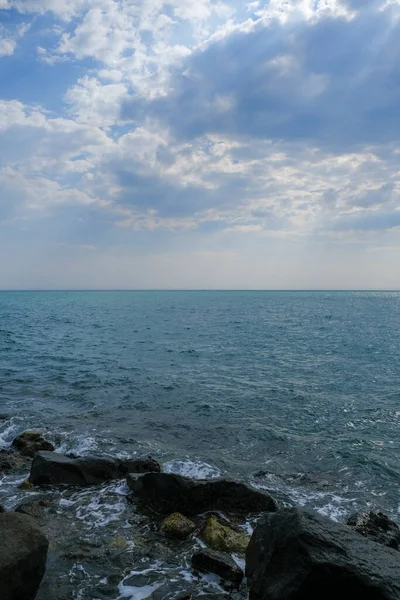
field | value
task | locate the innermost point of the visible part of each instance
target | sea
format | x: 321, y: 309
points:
x: 296, y: 393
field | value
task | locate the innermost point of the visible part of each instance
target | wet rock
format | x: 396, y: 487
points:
x: 298, y: 555
x: 30, y: 442
x: 26, y: 486
x: 141, y: 465
x: 224, y: 538
x: 33, y: 507
x: 2, y: 510
x: 11, y: 461
x: 177, y: 526
x: 23, y: 553
x: 49, y: 468
x: 376, y: 526
x: 220, y: 563
x: 167, y: 493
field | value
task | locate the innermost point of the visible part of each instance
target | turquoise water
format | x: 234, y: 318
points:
x: 304, y: 386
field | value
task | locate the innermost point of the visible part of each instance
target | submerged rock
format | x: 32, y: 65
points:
x: 220, y: 563
x: 51, y: 468
x: 33, y: 507
x: 224, y: 538
x: 166, y: 493
x: 23, y: 553
x: 299, y: 555
x: 376, y: 526
x: 177, y: 526
x: 30, y: 442
x: 13, y: 461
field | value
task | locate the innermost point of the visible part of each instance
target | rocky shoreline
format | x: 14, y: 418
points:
x: 180, y: 538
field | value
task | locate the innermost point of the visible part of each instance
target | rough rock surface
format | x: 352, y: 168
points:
x: 30, y: 442
x: 299, y: 555
x: 224, y: 538
x: 23, y: 553
x: 50, y: 468
x: 166, y: 493
x: 376, y: 526
x: 10, y: 460
x: 34, y: 507
x: 220, y: 563
x: 177, y: 526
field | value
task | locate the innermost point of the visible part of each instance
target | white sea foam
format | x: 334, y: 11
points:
x: 80, y: 445
x: 136, y: 593
x: 328, y: 504
x: 8, y: 432
x: 190, y: 468
x: 99, y: 509
x: 133, y: 592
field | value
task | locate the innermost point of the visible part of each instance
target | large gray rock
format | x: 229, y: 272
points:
x: 377, y: 526
x: 23, y: 553
x: 168, y: 493
x: 49, y: 468
x: 220, y: 563
x: 298, y: 555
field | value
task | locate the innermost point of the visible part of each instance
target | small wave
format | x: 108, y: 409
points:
x: 328, y: 504
x: 190, y: 468
x: 80, y: 445
x: 7, y: 433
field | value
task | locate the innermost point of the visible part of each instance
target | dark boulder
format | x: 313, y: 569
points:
x: 49, y: 468
x: 141, y: 465
x: 2, y: 510
x: 168, y: 493
x: 220, y: 563
x: 30, y: 442
x: 376, y: 526
x: 23, y: 553
x: 299, y: 555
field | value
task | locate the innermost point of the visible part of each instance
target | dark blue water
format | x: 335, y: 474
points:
x: 302, y: 385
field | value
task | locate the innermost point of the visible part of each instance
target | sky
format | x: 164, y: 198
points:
x: 200, y: 144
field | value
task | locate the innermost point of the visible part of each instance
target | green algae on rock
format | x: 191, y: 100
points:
x: 224, y: 538
x: 177, y: 526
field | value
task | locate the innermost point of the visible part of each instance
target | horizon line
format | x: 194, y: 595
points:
x: 199, y: 290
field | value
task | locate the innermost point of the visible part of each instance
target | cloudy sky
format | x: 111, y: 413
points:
x: 199, y: 144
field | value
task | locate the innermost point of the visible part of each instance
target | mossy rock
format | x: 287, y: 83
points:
x: 30, y: 442
x: 26, y: 485
x: 223, y: 538
x: 177, y: 526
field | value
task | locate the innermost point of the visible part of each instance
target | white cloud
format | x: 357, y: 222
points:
x: 7, y: 46
x: 94, y: 103
x: 64, y: 9
x: 9, y: 38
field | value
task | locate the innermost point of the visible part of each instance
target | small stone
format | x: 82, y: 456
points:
x: 224, y: 538
x: 177, y: 526
x: 220, y: 563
